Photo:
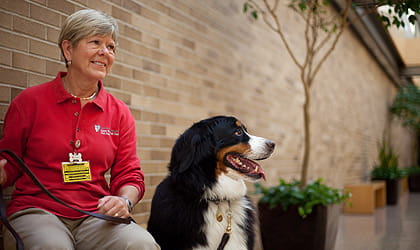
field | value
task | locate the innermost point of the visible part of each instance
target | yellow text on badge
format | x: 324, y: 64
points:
x: 76, y: 171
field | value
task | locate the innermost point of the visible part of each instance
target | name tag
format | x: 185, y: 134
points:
x: 76, y: 171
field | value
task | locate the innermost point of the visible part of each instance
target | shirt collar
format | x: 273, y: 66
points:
x: 62, y: 95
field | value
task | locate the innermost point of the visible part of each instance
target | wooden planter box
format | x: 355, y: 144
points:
x: 365, y: 197
x: 288, y: 230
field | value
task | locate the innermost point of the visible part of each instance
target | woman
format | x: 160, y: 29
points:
x: 70, y: 132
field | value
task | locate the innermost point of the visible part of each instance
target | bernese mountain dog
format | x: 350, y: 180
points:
x: 202, y: 203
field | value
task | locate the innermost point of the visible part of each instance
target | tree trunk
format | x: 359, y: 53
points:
x: 306, y: 136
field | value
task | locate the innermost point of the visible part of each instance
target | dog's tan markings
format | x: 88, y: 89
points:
x: 242, y: 148
x: 220, y: 168
x: 239, y: 124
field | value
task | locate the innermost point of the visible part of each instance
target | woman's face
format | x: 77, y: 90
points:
x: 92, y: 57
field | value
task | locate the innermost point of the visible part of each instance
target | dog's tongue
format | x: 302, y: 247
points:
x: 246, y: 166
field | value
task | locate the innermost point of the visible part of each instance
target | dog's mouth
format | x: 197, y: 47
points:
x: 244, y: 165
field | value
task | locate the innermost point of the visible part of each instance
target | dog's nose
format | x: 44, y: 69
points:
x: 271, y: 145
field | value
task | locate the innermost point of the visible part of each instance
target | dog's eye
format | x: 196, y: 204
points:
x: 238, y: 132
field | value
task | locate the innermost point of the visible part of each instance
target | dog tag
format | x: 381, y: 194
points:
x: 75, y: 157
x: 219, y: 214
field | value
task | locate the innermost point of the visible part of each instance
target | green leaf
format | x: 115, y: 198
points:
x: 412, y: 19
x: 245, y: 7
x: 254, y: 14
x: 291, y: 193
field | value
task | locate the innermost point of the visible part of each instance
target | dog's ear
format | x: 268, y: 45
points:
x: 189, y: 153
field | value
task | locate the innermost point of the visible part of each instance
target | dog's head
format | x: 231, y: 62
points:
x: 219, y: 146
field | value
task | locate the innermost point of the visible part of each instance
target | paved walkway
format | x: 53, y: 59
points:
x: 390, y: 228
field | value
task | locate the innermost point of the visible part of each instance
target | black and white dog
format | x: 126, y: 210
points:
x: 202, y: 203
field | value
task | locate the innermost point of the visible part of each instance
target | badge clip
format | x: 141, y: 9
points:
x: 75, y: 157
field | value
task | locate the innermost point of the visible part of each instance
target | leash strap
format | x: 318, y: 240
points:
x: 223, y: 242
x: 25, y: 168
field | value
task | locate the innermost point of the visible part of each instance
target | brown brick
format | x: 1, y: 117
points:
x: 13, y: 77
x: 150, y: 14
x: 157, y: 6
x: 43, y: 2
x: 52, y: 35
x: 5, y: 94
x: 5, y: 57
x: 132, y: 87
x: 13, y: 41
x: 153, y: 167
x: 126, y: 98
x: 44, y: 49
x: 121, y: 14
x: 6, y: 21
x: 15, y: 92
x: 28, y: 62
x: 169, y: 119
x: 52, y: 67
x: 141, y: 75
x: 129, y: 59
x: 62, y: 6
x: 132, y: 6
x: 122, y: 70
x: 112, y: 82
x: 137, y: 114
x: 149, y: 116
x: 36, y: 79
x: 148, y: 65
x: 158, y: 130
x: 147, y: 141
x: 3, y: 110
x: 99, y: 5
x: 45, y: 15
x: 29, y: 27
x: 166, y: 143
x: 168, y: 95
x: 151, y: 91
x: 131, y: 32
x: 188, y: 43
x: 16, y: 6
x: 151, y: 41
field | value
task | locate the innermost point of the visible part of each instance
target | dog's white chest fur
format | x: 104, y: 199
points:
x: 234, y: 191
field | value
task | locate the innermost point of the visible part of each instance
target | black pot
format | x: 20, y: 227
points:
x: 287, y: 230
x: 393, y: 187
x: 392, y: 191
x: 414, y: 183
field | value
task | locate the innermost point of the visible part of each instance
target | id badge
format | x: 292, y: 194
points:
x: 76, y: 171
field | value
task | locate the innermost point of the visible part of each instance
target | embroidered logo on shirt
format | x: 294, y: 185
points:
x: 106, y: 131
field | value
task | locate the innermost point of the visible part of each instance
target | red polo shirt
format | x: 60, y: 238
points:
x: 45, y: 123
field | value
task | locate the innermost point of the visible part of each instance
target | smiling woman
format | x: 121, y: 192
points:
x: 87, y: 42
x: 86, y: 130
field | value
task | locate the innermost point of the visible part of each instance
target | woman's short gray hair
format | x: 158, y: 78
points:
x: 84, y: 23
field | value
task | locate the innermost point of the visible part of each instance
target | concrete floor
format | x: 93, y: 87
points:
x: 389, y: 228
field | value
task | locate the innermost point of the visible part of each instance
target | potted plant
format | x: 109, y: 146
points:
x: 289, y: 206
x: 388, y: 170
x: 406, y: 106
x: 321, y: 33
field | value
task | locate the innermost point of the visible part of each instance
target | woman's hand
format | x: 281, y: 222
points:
x: 113, y: 206
x: 3, y: 176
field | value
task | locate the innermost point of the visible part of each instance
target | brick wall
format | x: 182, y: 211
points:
x: 179, y: 61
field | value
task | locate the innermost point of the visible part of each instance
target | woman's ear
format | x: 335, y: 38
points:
x: 67, y: 48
